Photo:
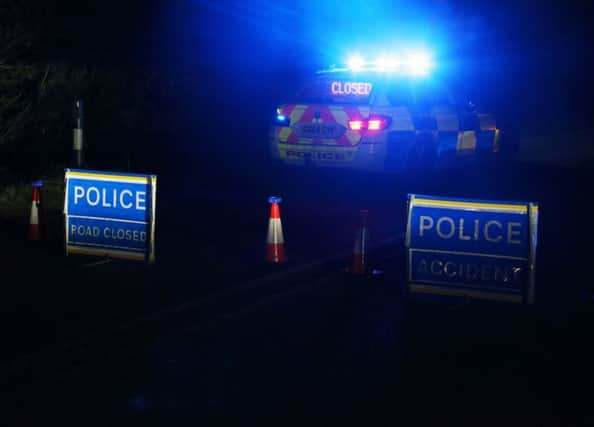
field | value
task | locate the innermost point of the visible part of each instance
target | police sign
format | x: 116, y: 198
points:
x: 111, y: 214
x: 475, y: 248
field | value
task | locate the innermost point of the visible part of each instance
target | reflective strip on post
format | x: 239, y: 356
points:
x: 77, y: 139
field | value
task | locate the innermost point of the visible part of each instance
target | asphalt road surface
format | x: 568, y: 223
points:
x: 212, y: 333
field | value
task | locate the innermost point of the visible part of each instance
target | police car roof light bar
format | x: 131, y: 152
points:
x: 415, y: 64
x: 387, y: 63
x: 356, y: 62
x: 418, y: 64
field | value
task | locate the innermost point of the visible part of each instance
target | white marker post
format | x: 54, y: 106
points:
x: 77, y: 133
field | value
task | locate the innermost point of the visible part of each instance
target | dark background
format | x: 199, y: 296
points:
x: 186, y: 90
x: 179, y: 81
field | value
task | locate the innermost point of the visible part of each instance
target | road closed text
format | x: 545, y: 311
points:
x: 80, y: 231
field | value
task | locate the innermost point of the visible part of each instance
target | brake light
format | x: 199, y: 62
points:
x: 378, y: 123
x: 373, y: 123
x: 356, y: 124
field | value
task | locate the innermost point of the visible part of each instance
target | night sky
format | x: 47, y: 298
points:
x: 214, y: 57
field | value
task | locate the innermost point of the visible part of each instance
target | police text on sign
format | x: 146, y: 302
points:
x: 472, y: 247
x: 110, y: 214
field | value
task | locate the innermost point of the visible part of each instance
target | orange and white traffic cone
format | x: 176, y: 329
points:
x: 359, y: 264
x: 275, y: 243
x: 35, y: 231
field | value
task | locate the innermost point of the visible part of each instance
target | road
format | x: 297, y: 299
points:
x: 211, y: 332
x: 327, y: 350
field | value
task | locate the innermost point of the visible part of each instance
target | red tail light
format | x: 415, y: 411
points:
x: 374, y: 123
x: 356, y: 124
x: 378, y: 123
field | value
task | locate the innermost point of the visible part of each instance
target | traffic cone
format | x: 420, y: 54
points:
x: 359, y: 264
x: 35, y: 231
x: 275, y: 243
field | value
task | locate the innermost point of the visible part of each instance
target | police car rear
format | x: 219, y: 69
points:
x: 385, y: 117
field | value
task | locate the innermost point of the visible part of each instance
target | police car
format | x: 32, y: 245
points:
x: 387, y: 115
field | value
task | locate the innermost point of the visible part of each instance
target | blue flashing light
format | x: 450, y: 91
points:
x: 356, y: 62
x: 418, y: 64
x: 387, y: 63
x: 37, y: 184
x: 282, y: 120
x: 412, y: 64
x: 275, y: 199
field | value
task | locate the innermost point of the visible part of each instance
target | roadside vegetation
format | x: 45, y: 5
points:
x: 44, y: 68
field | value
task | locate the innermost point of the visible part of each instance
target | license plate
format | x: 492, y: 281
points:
x: 329, y: 154
x: 318, y: 130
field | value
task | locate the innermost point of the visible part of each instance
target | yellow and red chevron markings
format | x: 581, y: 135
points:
x: 307, y: 113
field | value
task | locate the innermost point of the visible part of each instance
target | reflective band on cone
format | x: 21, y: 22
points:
x: 359, y: 250
x: 358, y: 266
x: 275, y: 242
x: 34, y: 226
